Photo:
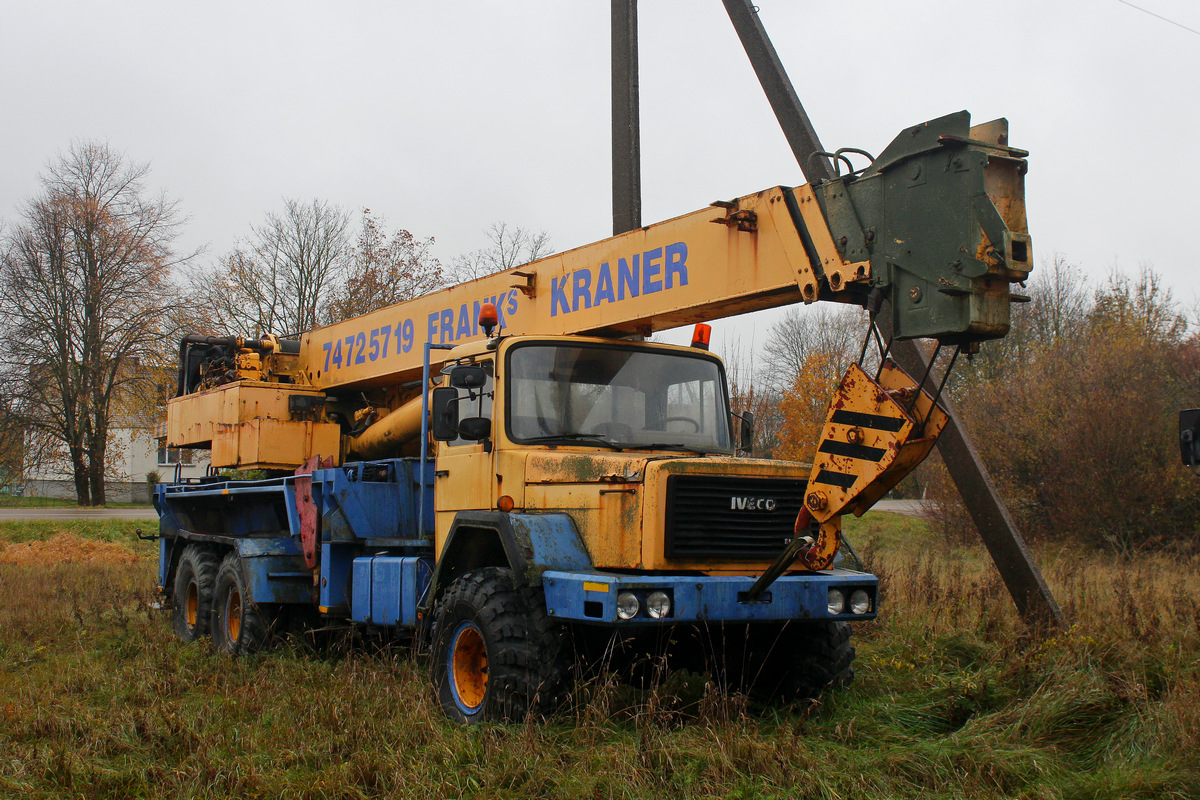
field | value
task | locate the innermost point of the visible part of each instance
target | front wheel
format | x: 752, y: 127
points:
x: 823, y: 659
x: 239, y: 625
x: 496, y: 654
x: 781, y: 663
x: 806, y: 659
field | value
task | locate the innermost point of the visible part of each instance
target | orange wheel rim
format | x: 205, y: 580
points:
x: 468, y: 667
x: 233, y: 615
x: 192, y: 606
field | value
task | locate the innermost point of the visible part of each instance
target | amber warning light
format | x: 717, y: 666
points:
x: 701, y: 335
x: 488, y: 318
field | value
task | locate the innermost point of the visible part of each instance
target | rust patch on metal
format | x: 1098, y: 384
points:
x: 307, y: 509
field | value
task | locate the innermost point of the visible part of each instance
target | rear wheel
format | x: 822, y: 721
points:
x: 192, y: 594
x: 496, y: 654
x: 239, y: 625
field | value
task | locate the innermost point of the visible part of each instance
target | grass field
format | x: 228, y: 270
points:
x: 952, y: 699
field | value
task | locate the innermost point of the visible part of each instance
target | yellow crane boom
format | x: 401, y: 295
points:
x: 935, y: 225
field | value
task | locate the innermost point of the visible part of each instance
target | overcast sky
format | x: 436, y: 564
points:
x: 444, y: 117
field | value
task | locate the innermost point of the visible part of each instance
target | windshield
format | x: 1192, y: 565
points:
x: 617, y: 397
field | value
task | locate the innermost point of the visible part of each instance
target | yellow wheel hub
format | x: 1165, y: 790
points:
x: 192, y: 606
x: 233, y: 615
x: 468, y: 662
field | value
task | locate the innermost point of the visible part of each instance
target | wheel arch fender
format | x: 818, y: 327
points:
x: 527, y: 544
x: 274, y: 570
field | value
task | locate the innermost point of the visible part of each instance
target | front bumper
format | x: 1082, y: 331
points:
x: 592, y: 597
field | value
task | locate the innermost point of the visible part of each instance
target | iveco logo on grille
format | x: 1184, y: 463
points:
x: 751, y: 504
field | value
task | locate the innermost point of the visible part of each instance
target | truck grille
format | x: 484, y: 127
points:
x: 719, y: 517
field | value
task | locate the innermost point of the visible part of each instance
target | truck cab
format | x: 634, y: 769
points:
x: 602, y: 473
x: 631, y: 440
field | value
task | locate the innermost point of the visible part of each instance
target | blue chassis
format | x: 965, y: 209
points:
x: 376, y: 561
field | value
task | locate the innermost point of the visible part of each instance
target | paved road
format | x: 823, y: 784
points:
x: 909, y: 508
x: 76, y: 513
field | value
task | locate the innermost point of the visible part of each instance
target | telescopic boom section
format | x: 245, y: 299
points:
x: 936, y: 225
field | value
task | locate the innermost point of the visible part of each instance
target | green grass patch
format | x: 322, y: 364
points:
x: 952, y: 699
x: 122, y: 531
x: 9, y: 501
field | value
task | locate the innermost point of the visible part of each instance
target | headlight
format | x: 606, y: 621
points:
x: 837, y: 602
x: 627, y: 605
x: 658, y: 605
x: 860, y: 602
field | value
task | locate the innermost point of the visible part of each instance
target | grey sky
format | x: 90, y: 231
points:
x: 444, y: 117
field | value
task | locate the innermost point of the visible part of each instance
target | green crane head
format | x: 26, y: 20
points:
x: 940, y: 214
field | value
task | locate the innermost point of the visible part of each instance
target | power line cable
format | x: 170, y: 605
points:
x: 1160, y: 16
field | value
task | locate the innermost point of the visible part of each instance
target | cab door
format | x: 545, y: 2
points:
x: 464, y: 473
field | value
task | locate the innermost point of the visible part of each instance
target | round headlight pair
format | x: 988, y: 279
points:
x: 860, y: 602
x: 658, y: 605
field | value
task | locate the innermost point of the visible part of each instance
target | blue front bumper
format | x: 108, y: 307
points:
x: 592, y: 597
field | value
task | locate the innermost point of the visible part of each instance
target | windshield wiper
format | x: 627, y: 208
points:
x: 691, y: 448
x: 590, y: 438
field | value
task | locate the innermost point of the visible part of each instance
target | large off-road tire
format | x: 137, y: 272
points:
x: 823, y: 658
x: 780, y: 664
x: 192, y: 595
x: 239, y: 626
x: 496, y: 654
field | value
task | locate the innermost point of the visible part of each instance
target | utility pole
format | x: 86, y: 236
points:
x: 1016, y: 566
x: 626, y: 134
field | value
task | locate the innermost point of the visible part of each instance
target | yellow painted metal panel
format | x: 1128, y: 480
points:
x: 248, y: 426
x: 274, y: 444
x: 193, y: 419
x: 674, y: 273
x: 592, y: 586
x: 654, y: 506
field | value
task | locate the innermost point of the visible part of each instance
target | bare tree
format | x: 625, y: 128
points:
x: 86, y: 296
x: 749, y: 392
x: 828, y: 330
x: 511, y: 246
x: 279, y: 279
x: 384, y: 270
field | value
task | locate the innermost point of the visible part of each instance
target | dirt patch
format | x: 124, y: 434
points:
x: 65, y: 548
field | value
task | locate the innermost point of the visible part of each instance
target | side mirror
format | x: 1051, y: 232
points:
x: 468, y: 377
x: 1189, y: 421
x: 475, y: 428
x: 747, y: 437
x: 443, y: 411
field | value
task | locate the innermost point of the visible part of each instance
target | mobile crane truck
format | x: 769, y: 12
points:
x: 566, y: 483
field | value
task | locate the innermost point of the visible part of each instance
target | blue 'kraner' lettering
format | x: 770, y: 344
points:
x: 651, y: 266
x: 676, y: 265
x: 653, y: 271
x: 558, y: 296
x: 581, y: 281
x: 627, y: 277
x: 604, y: 285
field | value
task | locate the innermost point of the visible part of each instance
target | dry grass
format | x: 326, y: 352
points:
x: 952, y: 700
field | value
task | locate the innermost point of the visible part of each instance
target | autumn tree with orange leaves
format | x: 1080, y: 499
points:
x: 804, y: 405
x: 807, y: 353
x: 384, y: 269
